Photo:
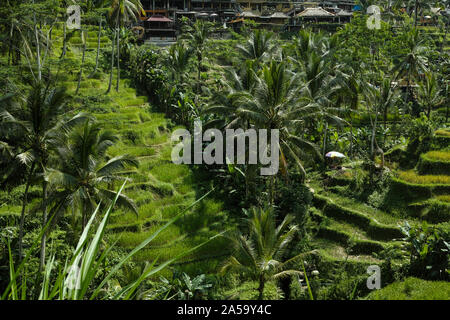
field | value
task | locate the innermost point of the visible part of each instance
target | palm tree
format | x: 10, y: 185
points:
x: 306, y: 43
x: 226, y: 102
x: 197, y: 36
x: 11, y: 167
x: 259, y: 46
x: 276, y: 104
x: 122, y: 13
x: 411, y: 63
x: 177, y: 61
x: 322, y: 86
x: 84, y: 173
x: 379, y: 99
x: 37, y: 125
x: 420, y: 5
x: 349, y: 95
x: 95, y: 10
x: 429, y: 93
x: 261, y: 253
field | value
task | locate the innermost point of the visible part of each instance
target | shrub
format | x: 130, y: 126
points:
x: 434, y: 162
x: 413, y: 289
x: 429, y: 251
x: 420, y: 133
x: 432, y: 210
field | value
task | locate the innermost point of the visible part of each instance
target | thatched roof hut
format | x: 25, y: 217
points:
x: 315, y: 13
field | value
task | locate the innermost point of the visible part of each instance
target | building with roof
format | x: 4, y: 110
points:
x: 267, y: 13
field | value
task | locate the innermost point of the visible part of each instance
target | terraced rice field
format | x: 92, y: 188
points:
x: 160, y: 188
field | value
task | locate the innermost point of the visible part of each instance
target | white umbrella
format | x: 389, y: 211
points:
x: 334, y: 154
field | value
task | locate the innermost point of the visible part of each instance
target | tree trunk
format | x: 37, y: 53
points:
x: 22, y: 214
x: 38, y: 52
x: 83, y: 217
x: 44, y: 223
x: 372, y: 140
x: 118, y: 59
x: 261, y: 287
x: 415, y: 14
x: 10, y: 47
x: 113, y: 45
x: 82, y: 62
x: 199, y: 58
x: 64, y: 49
x: 446, y: 114
x: 351, y: 135
x: 98, y: 48
x: 325, y: 140
x: 445, y: 38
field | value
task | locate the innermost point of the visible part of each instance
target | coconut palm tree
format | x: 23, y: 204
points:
x: 276, y: 104
x: 378, y: 99
x: 307, y: 43
x: 260, y: 254
x: 419, y: 6
x: 322, y: 87
x: 122, y: 13
x: 11, y: 167
x: 413, y: 62
x: 235, y: 85
x: 36, y: 125
x: 429, y: 93
x: 259, y: 46
x: 178, y: 61
x: 81, y: 181
x: 197, y: 36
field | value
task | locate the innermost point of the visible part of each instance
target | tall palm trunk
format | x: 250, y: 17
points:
x: 261, y: 287
x: 372, y: 140
x: 351, y: 135
x: 118, y: 54
x: 38, y: 49
x: 38, y: 53
x: 415, y: 13
x: 22, y: 214
x: 445, y: 37
x: 64, y: 49
x: 98, y: 48
x: 325, y: 138
x: 10, y: 46
x: 82, y: 62
x: 44, y: 223
x: 113, y: 45
x: 199, y: 60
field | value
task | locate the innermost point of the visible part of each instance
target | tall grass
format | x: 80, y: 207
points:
x: 438, y: 155
x: 74, y: 280
x: 412, y: 177
x: 442, y: 132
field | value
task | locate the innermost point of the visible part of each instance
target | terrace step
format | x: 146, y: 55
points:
x: 434, y: 162
x: 338, y: 254
x: 370, y: 226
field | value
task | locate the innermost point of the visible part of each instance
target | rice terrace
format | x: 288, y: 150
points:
x: 224, y: 150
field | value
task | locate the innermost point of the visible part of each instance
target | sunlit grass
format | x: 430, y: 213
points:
x: 444, y: 198
x: 443, y: 132
x: 438, y: 155
x: 412, y: 177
